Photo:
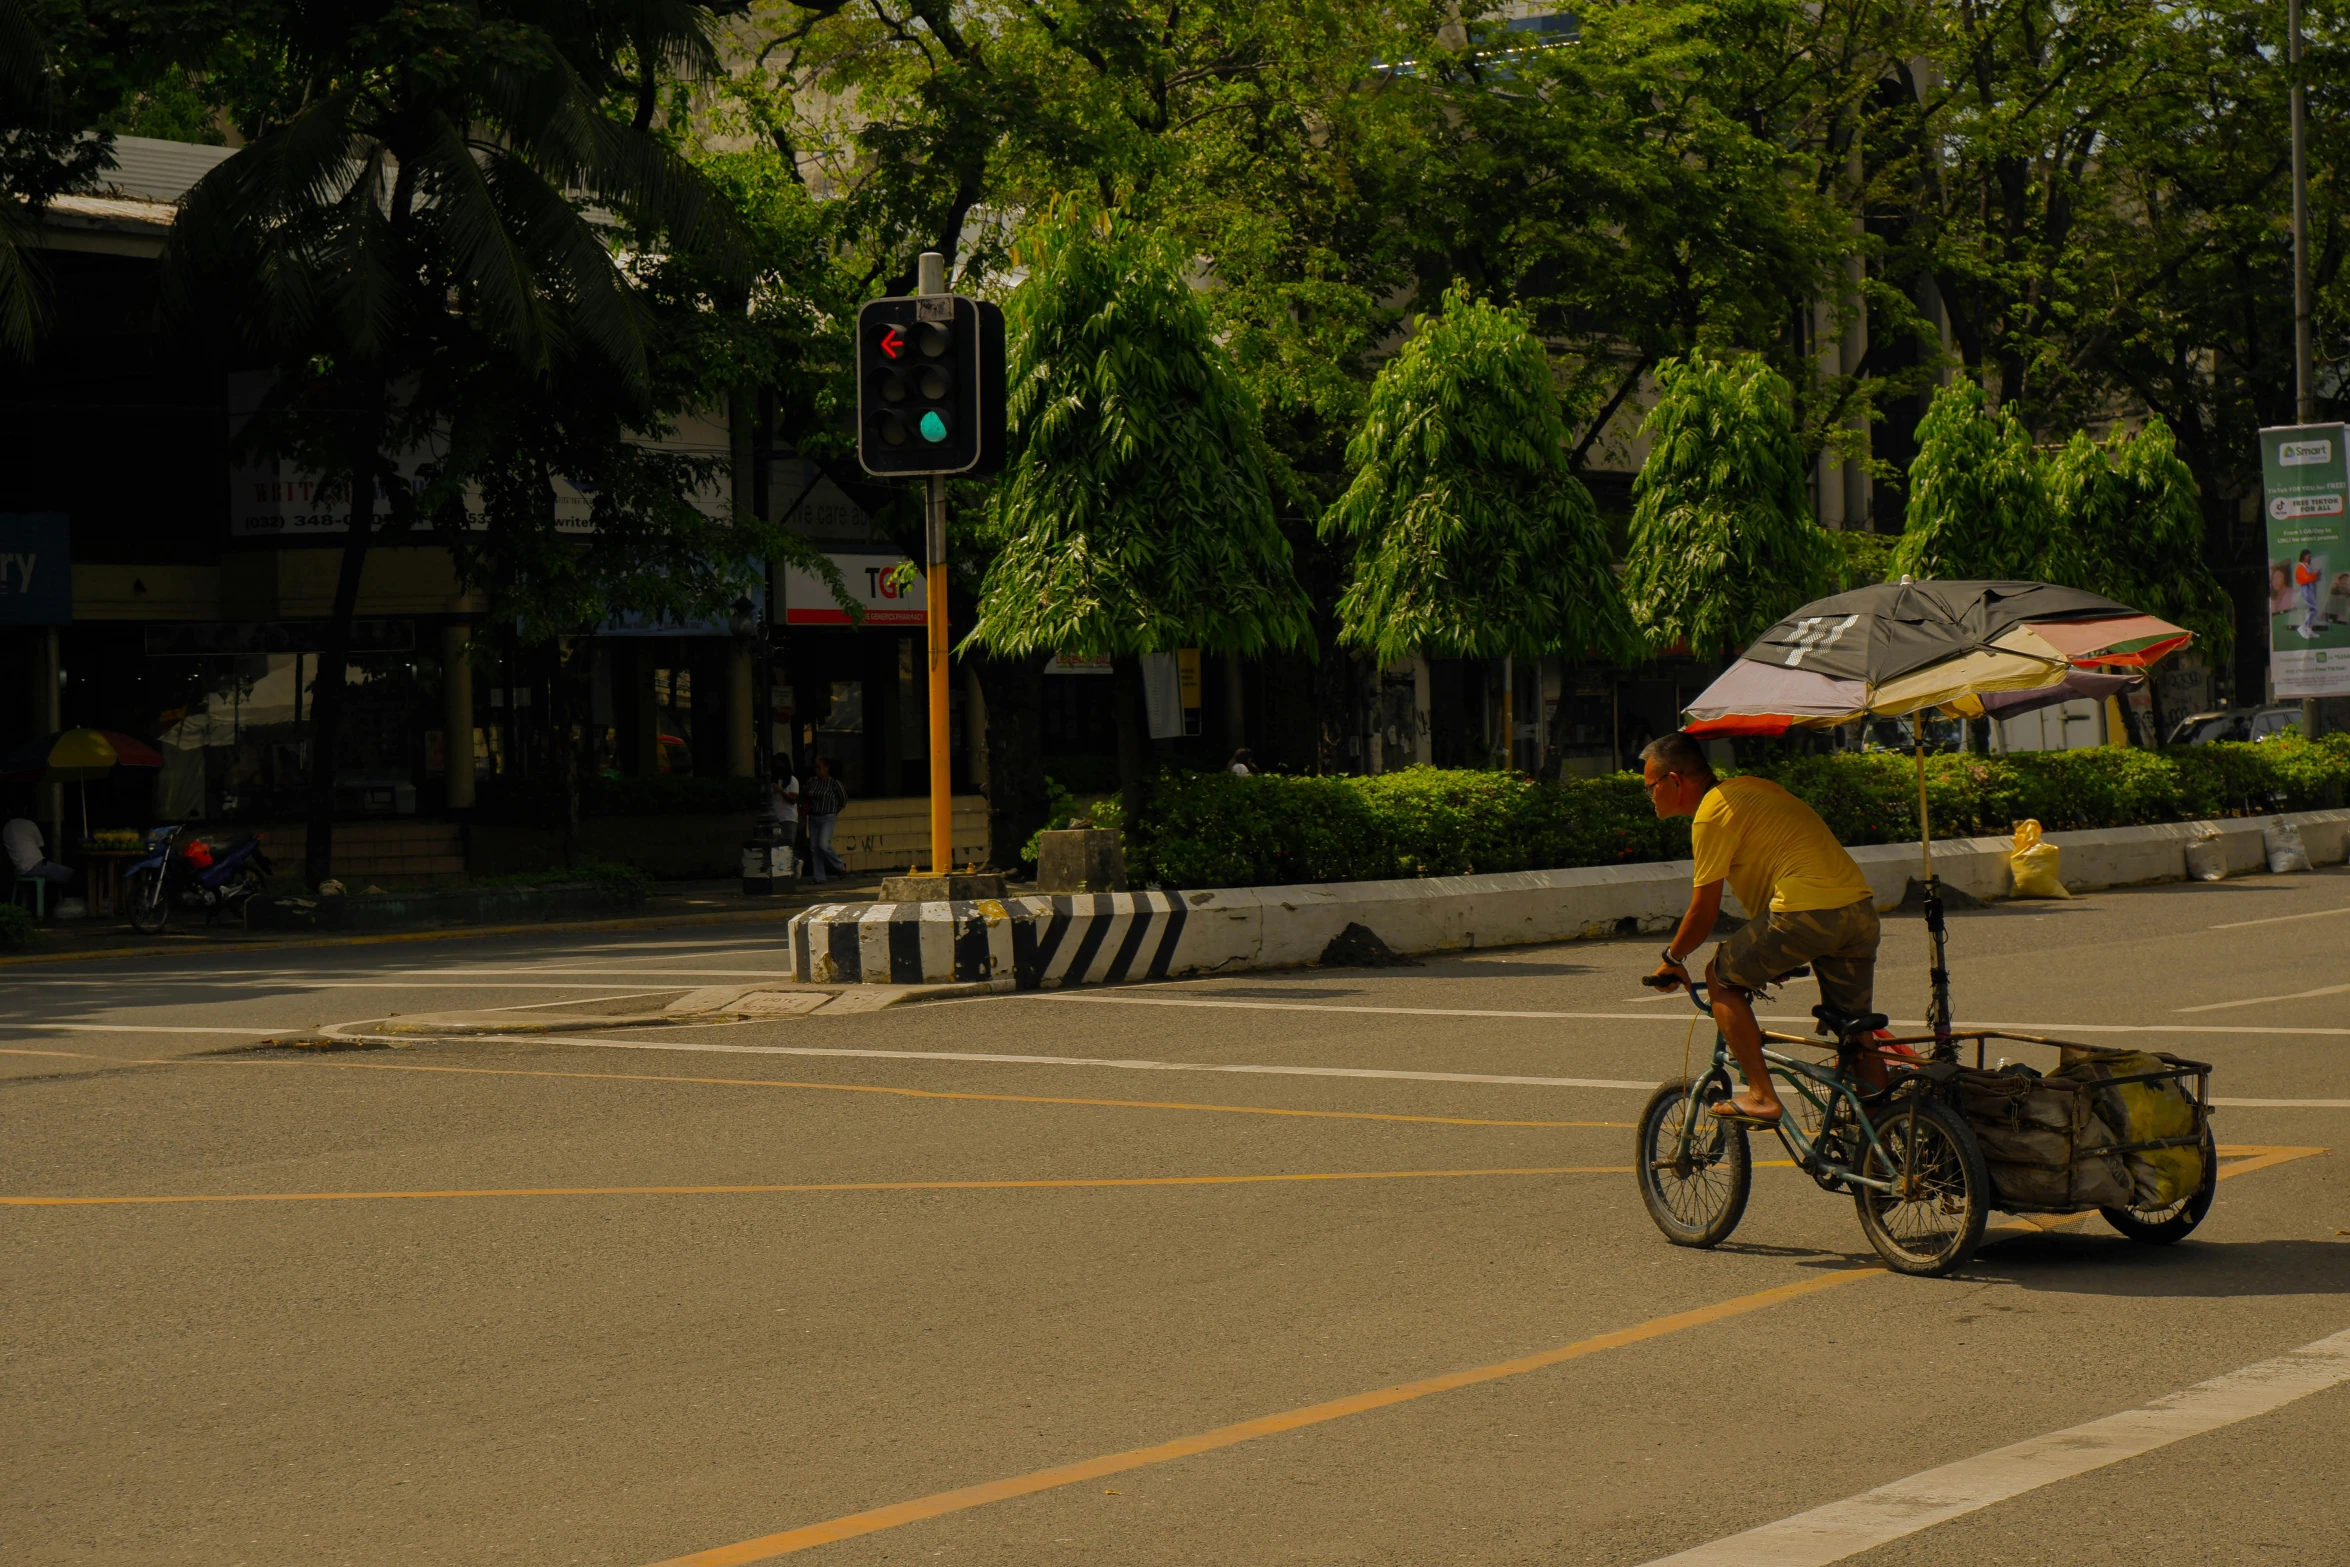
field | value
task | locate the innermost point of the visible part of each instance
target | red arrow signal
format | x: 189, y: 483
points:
x: 893, y: 341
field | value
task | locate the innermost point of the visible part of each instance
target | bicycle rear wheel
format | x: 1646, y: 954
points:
x: 1932, y: 1220
x: 1697, y: 1195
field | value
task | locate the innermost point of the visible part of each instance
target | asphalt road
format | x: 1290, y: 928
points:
x: 1316, y: 1267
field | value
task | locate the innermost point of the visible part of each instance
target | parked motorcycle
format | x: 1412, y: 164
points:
x: 192, y: 877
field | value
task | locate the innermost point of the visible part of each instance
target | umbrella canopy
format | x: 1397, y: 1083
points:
x: 75, y: 756
x: 1897, y: 647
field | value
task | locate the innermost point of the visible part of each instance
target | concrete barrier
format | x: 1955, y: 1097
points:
x: 1047, y: 942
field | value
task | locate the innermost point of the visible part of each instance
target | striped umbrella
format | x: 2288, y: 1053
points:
x: 1966, y: 649
x: 76, y: 756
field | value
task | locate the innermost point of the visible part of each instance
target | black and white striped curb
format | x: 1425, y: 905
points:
x: 1026, y: 943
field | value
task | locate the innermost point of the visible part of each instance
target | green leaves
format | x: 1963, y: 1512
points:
x: 1723, y: 541
x: 2120, y: 518
x: 1979, y: 506
x: 1134, y: 515
x: 1473, y: 537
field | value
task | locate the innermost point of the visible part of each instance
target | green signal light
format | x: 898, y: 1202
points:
x: 934, y: 429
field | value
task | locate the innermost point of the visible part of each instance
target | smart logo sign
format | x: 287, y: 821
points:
x: 2305, y: 496
x: 930, y: 386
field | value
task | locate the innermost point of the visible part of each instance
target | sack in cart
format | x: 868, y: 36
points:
x: 2110, y: 1129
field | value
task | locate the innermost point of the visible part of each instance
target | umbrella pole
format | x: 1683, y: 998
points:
x: 1937, y: 949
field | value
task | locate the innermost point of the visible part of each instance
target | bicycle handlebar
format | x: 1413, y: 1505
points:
x: 1696, y: 986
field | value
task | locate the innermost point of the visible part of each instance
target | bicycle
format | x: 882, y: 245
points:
x: 1905, y: 1153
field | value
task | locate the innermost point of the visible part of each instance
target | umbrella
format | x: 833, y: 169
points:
x: 1969, y: 649
x: 76, y: 756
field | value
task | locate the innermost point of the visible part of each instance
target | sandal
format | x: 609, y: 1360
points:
x: 1728, y: 1110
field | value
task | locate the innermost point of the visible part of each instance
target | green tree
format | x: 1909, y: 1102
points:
x: 421, y: 203
x: 1472, y: 536
x: 1134, y: 515
x: 2134, y: 526
x: 1979, y: 506
x: 1723, y: 540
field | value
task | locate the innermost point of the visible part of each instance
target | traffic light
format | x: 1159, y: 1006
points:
x: 930, y: 385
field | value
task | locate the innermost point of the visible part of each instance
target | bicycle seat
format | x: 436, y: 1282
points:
x: 1843, y: 1025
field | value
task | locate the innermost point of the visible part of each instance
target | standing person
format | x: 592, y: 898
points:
x: 824, y: 799
x: 783, y: 797
x: 1807, y: 903
x: 2306, y: 571
x: 1243, y: 762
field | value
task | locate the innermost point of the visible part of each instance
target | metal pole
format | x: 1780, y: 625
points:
x: 931, y: 275
x: 2304, y: 389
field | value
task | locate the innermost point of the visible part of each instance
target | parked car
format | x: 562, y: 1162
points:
x: 2242, y: 723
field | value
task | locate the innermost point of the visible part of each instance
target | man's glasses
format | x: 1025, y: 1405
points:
x: 1652, y: 788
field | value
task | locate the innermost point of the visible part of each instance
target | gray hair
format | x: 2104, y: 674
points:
x: 1680, y: 753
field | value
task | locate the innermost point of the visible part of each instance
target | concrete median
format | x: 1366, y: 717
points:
x: 1039, y: 942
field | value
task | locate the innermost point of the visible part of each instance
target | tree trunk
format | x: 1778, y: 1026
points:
x: 326, y: 706
x: 1013, y: 689
x: 1133, y: 753
x: 1554, y: 740
x: 574, y: 688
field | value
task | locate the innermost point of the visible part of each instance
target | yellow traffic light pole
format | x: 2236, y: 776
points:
x: 942, y: 799
x: 931, y: 278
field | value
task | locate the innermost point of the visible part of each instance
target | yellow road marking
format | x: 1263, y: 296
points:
x: 927, y: 1093
x: 790, y: 1541
x: 768, y: 1547
x: 819, y: 1186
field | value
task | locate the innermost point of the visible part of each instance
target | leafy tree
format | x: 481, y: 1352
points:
x: 1723, y: 542
x: 1472, y: 537
x: 1134, y: 514
x: 420, y: 204
x: 1978, y: 498
x: 2134, y: 527
x: 46, y: 104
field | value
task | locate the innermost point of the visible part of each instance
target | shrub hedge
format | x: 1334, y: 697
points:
x: 1218, y: 830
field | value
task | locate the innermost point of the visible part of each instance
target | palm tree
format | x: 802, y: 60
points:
x: 451, y: 180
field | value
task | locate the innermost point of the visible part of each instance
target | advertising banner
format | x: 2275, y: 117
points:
x: 36, y: 569
x: 871, y: 581
x: 2305, y: 483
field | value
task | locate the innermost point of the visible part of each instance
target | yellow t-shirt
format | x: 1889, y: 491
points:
x: 1773, y: 849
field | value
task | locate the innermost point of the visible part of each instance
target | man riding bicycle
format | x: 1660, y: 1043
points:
x: 1807, y: 903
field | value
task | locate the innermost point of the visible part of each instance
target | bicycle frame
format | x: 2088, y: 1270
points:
x: 1802, y: 1077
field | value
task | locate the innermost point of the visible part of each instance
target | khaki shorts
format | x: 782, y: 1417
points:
x: 1839, y: 944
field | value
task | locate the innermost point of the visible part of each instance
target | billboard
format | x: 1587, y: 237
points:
x: 2305, y: 485
x: 36, y: 569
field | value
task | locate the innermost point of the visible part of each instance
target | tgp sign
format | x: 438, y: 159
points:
x: 36, y: 569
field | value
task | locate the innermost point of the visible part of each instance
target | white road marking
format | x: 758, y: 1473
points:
x: 1861, y: 1523
x: 609, y: 974
x: 2279, y: 919
x: 2286, y: 1104
x: 148, y: 1028
x: 1123, y: 1066
x: 2254, y: 1001
x: 1635, y: 1017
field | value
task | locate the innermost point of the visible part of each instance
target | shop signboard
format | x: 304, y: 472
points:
x: 2305, y: 481
x: 873, y: 582
x: 36, y: 569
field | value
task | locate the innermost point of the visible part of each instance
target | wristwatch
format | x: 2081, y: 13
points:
x: 1670, y: 960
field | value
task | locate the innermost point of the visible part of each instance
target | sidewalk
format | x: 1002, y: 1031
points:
x: 685, y: 903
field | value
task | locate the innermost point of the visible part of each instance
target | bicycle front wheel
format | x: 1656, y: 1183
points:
x: 1696, y: 1194
x: 1932, y: 1220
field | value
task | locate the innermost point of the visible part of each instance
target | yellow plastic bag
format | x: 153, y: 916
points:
x: 2033, y: 861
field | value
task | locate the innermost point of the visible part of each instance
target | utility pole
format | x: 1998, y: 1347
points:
x: 2304, y: 376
